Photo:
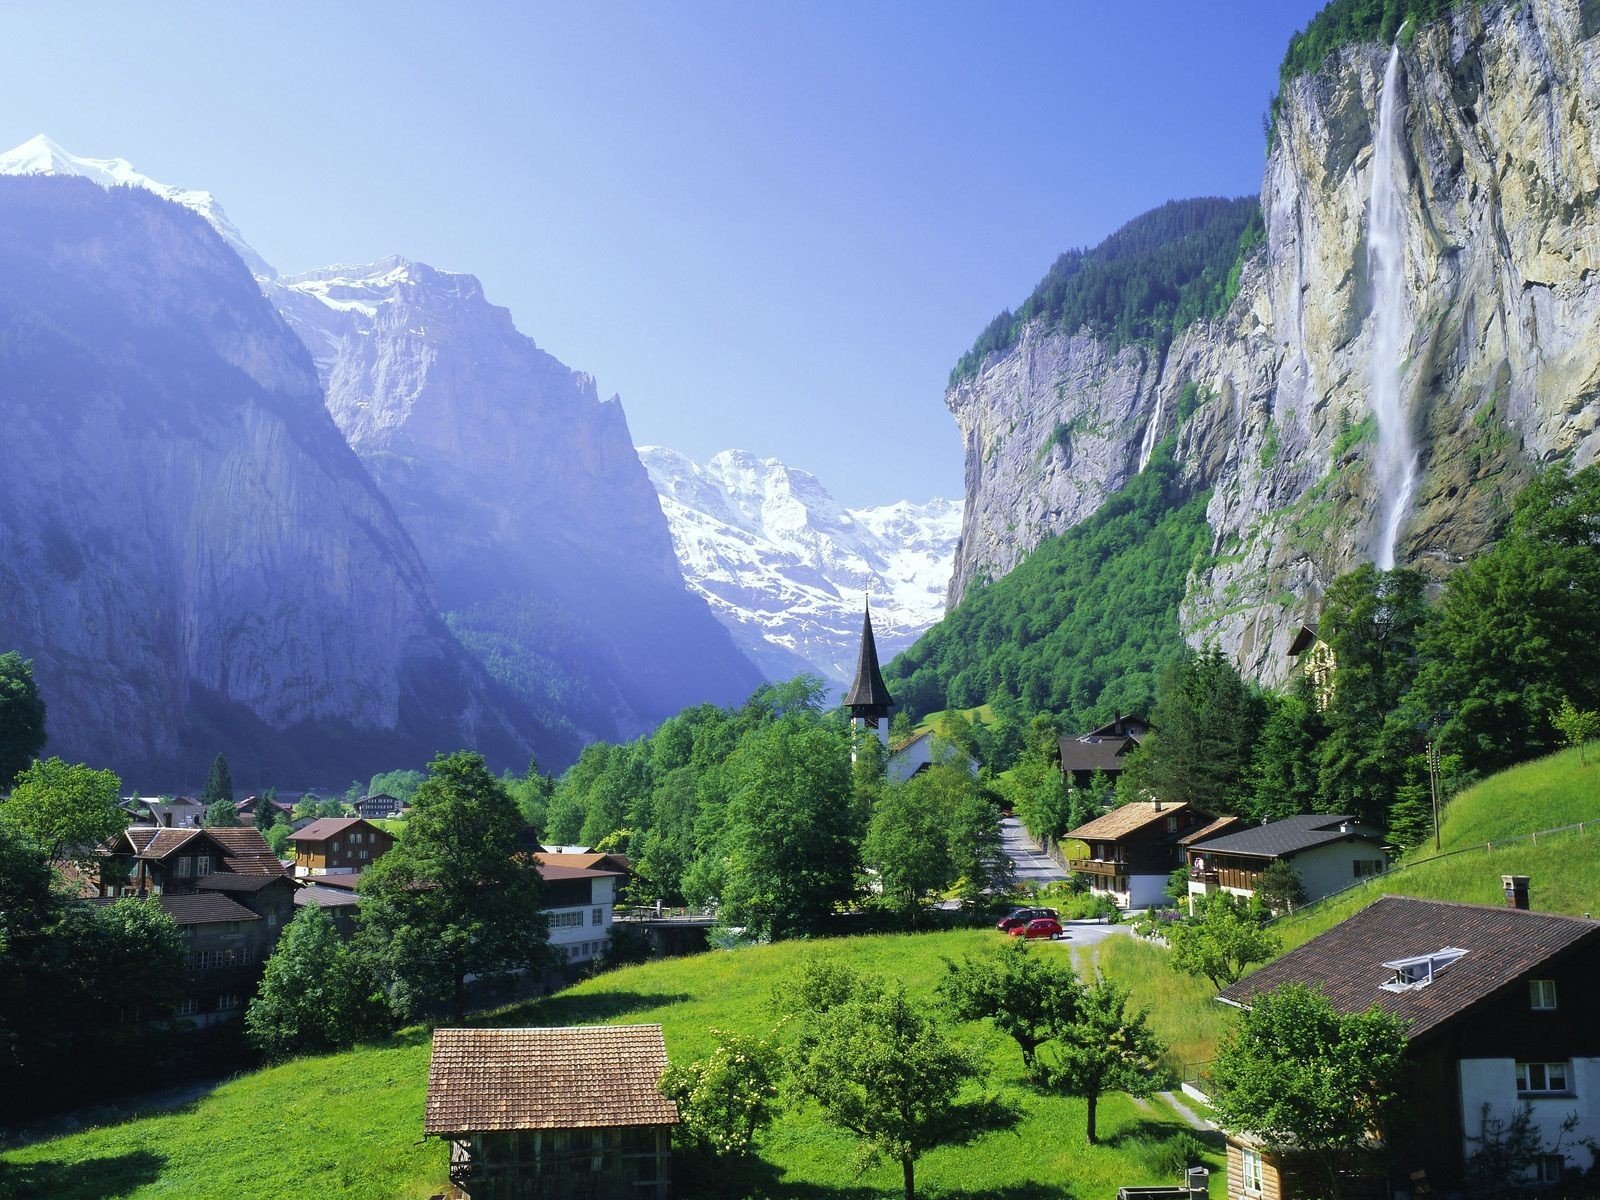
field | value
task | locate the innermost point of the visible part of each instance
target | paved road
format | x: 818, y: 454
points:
x: 1031, y: 863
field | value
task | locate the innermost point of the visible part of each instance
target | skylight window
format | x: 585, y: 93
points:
x: 1418, y: 972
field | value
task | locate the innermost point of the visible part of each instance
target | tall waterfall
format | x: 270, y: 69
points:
x: 1147, y: 444
x: 1395, y: 465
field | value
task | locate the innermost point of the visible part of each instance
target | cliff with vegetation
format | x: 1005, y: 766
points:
x: 1491, y: 302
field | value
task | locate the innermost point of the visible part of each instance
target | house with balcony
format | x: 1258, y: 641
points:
x: 578, y: 903
x: 1326, y: 852
x: 1133, y: 850
x: 1503, y: 1012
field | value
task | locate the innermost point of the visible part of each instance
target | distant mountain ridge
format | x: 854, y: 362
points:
x: 786, y: 567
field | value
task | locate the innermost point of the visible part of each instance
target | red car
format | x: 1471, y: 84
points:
x: 1021, y: 916
x: 1039, y: 927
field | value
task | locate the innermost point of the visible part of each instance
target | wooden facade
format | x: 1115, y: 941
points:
x: 618, y: 1163
x: 339, y: 845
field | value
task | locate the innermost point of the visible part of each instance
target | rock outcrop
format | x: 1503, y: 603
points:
x: 1500, y: 362
x: 523, y: 492
x: 189, y: 551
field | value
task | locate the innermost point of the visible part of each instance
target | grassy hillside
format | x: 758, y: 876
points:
x: 349, y: 1125
x: 1564, y: 868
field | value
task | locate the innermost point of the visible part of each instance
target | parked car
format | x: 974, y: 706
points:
x: 1021, y: 916
x: 1039, y: 927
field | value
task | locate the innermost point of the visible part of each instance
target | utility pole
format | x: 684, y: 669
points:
x: 1433, y: 784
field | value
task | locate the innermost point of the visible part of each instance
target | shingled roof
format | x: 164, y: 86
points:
x: 1212, y: 829
x: 1502, y: 945
x: 324, y: 828
x: 204, y: 908
x: 1120, y: 822
x: 868, y: 690
x: 577, y: 1077
x: 1281, y: 839
x: 155, y: 841
x: 246, y: 851
x: 1092, y: 752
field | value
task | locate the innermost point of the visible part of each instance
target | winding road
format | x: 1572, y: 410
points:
x: 1030, y: 863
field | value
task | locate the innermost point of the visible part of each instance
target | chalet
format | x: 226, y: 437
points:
x: 1504, y: 1012
x: 228, y: 895
x: 922, y: 752
x: 1100, y: 750
x: 379, y: 806
x: 1134, y: 849
x: 1327, y: 853
x: 546, y: 1114
x: 251, y: 804
x: 337, y: 845
x: 1316, y: 661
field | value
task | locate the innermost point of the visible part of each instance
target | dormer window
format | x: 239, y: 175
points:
x: 1418, y: 972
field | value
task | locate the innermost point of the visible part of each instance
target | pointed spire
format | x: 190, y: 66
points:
x: 868, y: 695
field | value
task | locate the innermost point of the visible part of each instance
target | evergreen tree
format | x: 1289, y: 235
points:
x: 219, y: 783
x: 21, y: 718
x: 1208, y: 719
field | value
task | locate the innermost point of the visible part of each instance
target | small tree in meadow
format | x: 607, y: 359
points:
x: 1279, y: 886
x: 1103, y: 1048
x: 1576, y: 726
x: 724, y: 1100
x: 1224, y: 937
x: 1027, y: 996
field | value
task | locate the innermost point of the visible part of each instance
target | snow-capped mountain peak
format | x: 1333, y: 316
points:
x: 41, y: 155
x: 785, y: 566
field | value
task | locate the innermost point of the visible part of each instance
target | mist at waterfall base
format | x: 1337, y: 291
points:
x: 1395, y: 463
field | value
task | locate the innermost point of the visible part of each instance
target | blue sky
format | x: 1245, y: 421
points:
x: 771, y: 226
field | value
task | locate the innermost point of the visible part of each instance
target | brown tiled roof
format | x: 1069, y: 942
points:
x: 1120, y: 822
x: 324, y: 828
x: 345, y: 880
x: 1215, y: 829
x: 204, y: 908
x: 227, y: 881
x: 247, y: 851
x: 549, y: 871
x: 150, y: 841
x: 323, y: 897
x: 617, y: 863
x: 578, y: 1077
x: 1502, y: 945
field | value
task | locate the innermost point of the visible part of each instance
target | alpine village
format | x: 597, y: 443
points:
x: 410, y: 788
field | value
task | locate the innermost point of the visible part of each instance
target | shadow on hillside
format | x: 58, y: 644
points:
x: 758, y: 1180
x: 565, y: 1008
x: 92, y: 1179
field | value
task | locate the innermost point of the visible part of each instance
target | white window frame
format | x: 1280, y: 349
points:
x: 598, y: 917
x: 185, y: 867
x: 1251, y: 1170
x: 1536, y: 1078
x: 202, y: 865
x: 1542, y: 995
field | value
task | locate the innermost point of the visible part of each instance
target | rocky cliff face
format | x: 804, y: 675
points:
x: 785, y: 567
x: 189, y: 552
x: 523, y: 492
x: 1499, y: 311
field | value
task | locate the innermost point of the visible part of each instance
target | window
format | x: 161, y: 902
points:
x: 187, y: 1008
x: 355, y: 838
x: 336, y: 847
x: 598, y: 917
x: 1550, y: 1167
x: 566, y: 920
x: 1542, y: 1079
x: 1542, y: 994
x: 1418, y: 972
x: 1363, y: 867
x: 185, y: 867
x: 1251, y: 1169
x: 202, y: 865
x: 1172, y: 824
x: 272, y: 918
x: 227, y: 1001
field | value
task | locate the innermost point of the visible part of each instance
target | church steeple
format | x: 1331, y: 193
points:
x: 868, y: 699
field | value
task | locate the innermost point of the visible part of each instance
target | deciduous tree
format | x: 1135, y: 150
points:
x: 1578, y: 727
x: 317, y: 993
x: 451, y: 900
x: 727, y: 1098
x: 1027, y: 997
x: 66, y: 809
x: 1298, y: 1074
x: 1223, y: 938
x: 883, y: 1070
x: 1102, y: 1048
